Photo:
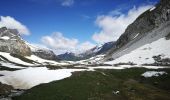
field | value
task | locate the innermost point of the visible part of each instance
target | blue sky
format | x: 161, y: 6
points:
x: 73, y: 19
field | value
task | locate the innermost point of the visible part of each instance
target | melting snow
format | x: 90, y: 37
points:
x: 30, y: 77
x: 13, y: 59
x: 153, y: 73
x: 5, y: 38
x: 9, y: 65
x: 27, y: 78
x: 40, y: 60
x: 123, y: 67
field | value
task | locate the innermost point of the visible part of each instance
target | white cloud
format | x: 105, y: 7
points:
x: 11, y: 23
x: 58, y: 41
x: 67, y: 3
x: 60, y: 44
x: 113, y: 26
x: 85, y: 46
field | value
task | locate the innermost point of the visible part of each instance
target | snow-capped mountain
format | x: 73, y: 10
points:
x: 146, y: 40
x: 101, y: 49
x: 98, y: 50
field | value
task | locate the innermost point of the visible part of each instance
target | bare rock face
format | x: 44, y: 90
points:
x: 11, y: 42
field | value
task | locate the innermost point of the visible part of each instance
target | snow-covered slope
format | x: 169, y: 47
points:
x: 146, y: 40
x: 42, y: 52
x: 44, y: 61
x: 14, y: 59
x: 147, y: 53
x: 8, y: 60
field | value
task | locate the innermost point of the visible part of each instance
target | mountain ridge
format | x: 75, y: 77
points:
x: 142, y: 26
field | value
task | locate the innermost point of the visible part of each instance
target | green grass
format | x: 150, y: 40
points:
x: 100, y: 85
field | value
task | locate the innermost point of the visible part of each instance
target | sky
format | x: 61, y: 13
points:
x: 71, y: 25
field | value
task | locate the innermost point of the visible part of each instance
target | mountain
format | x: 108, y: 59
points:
x: 69, y: 56
x: 145, y: 39
x: 97, y: 50
x: 44, y: 53
x: 11, y: 42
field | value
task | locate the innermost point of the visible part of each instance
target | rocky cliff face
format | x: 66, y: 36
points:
x: 11, y: 42
x: 146, y: 22
x: 148, y: 27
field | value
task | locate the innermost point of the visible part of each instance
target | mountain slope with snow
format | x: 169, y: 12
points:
x: 43, y: 52
x: 148, y: 54
x: 146, y: 39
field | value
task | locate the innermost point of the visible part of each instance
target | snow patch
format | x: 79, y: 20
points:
x: 124, y: 67
x: 152, y: 8
x: 30, y: 77
x: 9, y: 65
x: 43, y: 61
x: 5, y: 38
x: 13, y: 59
x: 153, y: 73
x: 136, y: 35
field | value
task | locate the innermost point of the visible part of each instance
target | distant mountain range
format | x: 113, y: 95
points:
x: 98, y: 50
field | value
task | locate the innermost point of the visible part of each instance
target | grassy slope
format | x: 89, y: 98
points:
x: 100, y: 85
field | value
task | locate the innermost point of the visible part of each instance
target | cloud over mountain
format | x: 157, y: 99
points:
x: 10, y: 22
x: 60, y: 44
x: 112, y: 26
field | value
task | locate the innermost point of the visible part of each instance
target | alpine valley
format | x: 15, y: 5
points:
x: 135, y: 67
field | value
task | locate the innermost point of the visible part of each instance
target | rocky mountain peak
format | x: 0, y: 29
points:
x: 11, y: 33
x: 11, y: 42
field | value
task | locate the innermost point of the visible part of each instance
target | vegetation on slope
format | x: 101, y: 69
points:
x: 126, y: 84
